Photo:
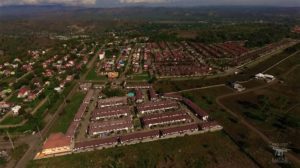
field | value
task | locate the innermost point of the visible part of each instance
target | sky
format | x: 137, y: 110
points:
x: 117, y: 3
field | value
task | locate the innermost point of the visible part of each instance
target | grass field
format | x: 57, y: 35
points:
x: 274, y: 110
x: 287, y: 64
x: 268, y: 110
x: 140, y: 77
x: 293, y: 78
x: 92, y: 75
x: 205, y: 150
x: 11, y: 120
x: 68, y: 114
x: 15, y: 155
x: 247, y: 141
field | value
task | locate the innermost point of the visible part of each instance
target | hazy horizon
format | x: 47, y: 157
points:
x: 154, y: 3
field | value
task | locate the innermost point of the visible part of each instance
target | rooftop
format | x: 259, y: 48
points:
x: 57, y: 140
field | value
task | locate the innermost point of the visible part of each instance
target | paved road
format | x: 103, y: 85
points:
x: 199, y: 88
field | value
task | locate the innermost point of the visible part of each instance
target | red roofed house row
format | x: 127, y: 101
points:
x: 196, y: 109
x: 152, y: 94
x: 96, y: 143
x: 106, y: 127
x: 179, y: 129
x: 166, y: 118
x: 139, y: 96
x: 72, y: 129
x: 151, y: 107
x: 110, y: 112
x: 138, y: 136
x: 82, y: 109
x: 111, y: 102
x: 138, y: 86
x: 89, y: 96
x: 210, y: 125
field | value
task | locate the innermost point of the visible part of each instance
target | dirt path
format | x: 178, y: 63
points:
x: 199, y: 88
x: 12, y: 126
x: 280, y: 61
x: 41, y: 103
x: 246, y: 123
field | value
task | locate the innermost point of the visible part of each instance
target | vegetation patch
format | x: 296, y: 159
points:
x: 68, y: 113
x: 12, y: 120
x: 209, y: 150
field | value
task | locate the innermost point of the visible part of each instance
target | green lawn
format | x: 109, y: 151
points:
x: 204, y: 150
x: 274, y: 110
x: 140, y: 77
x: 11, y: 120
x: 68, y: 114
x: 15, y: 99
x: 92, y: 75
x: 110, y: 92
x: 282, y: 68
x: 293, y: 78
x: 247, y: 141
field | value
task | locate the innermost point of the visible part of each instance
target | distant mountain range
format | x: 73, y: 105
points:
x: 142, y: 12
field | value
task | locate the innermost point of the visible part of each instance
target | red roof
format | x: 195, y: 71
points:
x: 157, y: 105
x: 209, y: 124
x: 152, y: 94
x: 109, y: 112
x: 179, y: 129
x: 200, y: 112
x: 139, y: 135
x: 139, y: 94
x: 96, y: 143
x: 167, y: 118
x: 23, y: 90
x: 72, y: 128
x: 57, y: 140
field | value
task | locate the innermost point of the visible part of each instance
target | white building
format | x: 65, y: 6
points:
x: 16, y: 110
x: 268, y: 78
x: 101, y: 55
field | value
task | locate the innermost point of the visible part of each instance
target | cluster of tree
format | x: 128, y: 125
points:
x: 256, y: 35
x: 110, y: 92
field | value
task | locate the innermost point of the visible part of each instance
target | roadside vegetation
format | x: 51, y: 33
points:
x: 209, y: 150
x: 67, y: 115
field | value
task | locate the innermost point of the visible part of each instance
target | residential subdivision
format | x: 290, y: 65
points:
x: 112, y: 122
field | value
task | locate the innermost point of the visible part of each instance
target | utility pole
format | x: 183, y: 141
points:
x: 48, y: 100
x: 10, y: 140
x: 64, y: 98
x: 39, y: 132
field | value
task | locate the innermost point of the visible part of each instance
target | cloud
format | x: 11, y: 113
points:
x: 36, y: 2
x: 114, y: 3
x: 143, y: 1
